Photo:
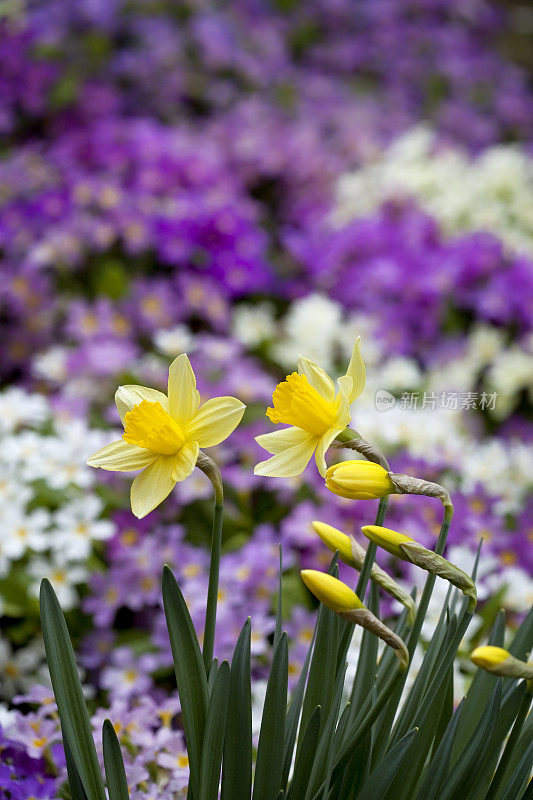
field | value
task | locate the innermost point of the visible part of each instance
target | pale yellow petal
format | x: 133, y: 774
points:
x: 126, y: 397
x: 121, y: 457
x: 356, y: 370
x: 186, y: 461
x: 344, y: 416
x: 183, y: 396
x: 317, y: 377
x: 322, y: 447
x: 278, y: 441
x: 215, y: 420
x: 290, y: 462
x: 153, y: 485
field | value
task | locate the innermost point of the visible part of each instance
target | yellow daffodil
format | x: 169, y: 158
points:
x: 163, y: 434
x: 499, y: 661
x: 317, y: 413
x: 489, y: 656
x: 359, y: 480
x: 330, y: 591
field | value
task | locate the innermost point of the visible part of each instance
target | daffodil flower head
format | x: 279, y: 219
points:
x: 163, y: 434
x: 335, y: 540
x: 331, y: 591
x: 489, y: 656
x: 357, y: 479
x: 316, y: 412
x: 386, y: 538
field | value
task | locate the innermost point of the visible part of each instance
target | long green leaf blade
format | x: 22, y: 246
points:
x: 269, y: 763
x: 117, y: 785
x: 68, y: 693
x: 213, y: 738
x: 237, y: 763
x: 383, y: 777
x: 190, y: 673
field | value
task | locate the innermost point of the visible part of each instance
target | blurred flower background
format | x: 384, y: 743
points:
x: 245, y: 182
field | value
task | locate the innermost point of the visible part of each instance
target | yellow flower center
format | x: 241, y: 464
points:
x: 148, y: 425
x: 298, y: 403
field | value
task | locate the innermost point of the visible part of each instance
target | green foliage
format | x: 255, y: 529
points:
x: 348, y: 747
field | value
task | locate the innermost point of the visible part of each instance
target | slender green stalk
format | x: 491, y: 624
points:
x: 370, y: 556
x: 414, y: 635
x: 511, y: 742
x: 209, y: 467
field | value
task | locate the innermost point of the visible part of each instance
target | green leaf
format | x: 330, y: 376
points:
x: 117, y: 785
x: 517, y: 782
x: 523, y: 639
x: 305, y: 757
x: 438, y: 767
x: 321, y: 682
x: 77, y: 792
x: 478, y: 694
x: 213, y: 740
x: 190, y: 673
x: 237, y: 763
x: 320, y: 769
x: 269, y: 762
x: 68, y: 693
x: 383, y: 777
x: 293, y: 714
x: 464, y: 774
x: 367, y: 661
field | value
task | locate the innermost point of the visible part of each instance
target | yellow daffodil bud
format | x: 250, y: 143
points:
x: 353, y: 554
x: 407, y: 549
x: 341, y: 599
x: 489, y: 656
x: 387, y: 539
x: 331, y: 591
x: 336, y: 540
x: 359, y: 480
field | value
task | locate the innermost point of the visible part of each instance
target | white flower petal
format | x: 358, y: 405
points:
x: 357, y: 371
x: 278, y: 441
x: 183, y: 396
x: 126, y: 397
x: 185, y: 461
x: 121, y: 457
x: 290, y: 462
x: 317, y: 377
x: 153, y: 485
x: 215, y: 420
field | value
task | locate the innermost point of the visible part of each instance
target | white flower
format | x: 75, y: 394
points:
x: 18, y: 669
x: 52, y: 364
x: 63, y: 575
x: 78, y: 527
x: 174, y: 341
x: 24, y: 531
x: 253, y: 324
x: 17, y: 408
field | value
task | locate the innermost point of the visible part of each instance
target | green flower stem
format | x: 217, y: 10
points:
x: 209, y: 467
x: 511, y: 742
x: 370, y: 556
x: 414, y: 635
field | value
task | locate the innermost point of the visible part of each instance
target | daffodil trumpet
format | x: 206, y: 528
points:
x: 316, y: 412
x: 499, y: 661
x: 406, y: 549
x: 352, y: 554
x: 344, y: 602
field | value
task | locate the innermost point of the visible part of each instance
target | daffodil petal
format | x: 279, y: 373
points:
x: 290, y: 462
x: 121, y: 457
x: 153, y: 485
x: 185, y: 461
x: 344, y: 416
x: 317, y: 377
x: 215, y: 420
x: 183, y: 396
x: 126, y: 397
x: 320, y: 452
x: 357, y: 371
x: 278, y: 441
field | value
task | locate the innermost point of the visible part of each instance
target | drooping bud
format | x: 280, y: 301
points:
x: 407, y: 549
x: 499, y: 661
x: 341, y: 599
x: 353, y: 554
x: 359, y: 480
